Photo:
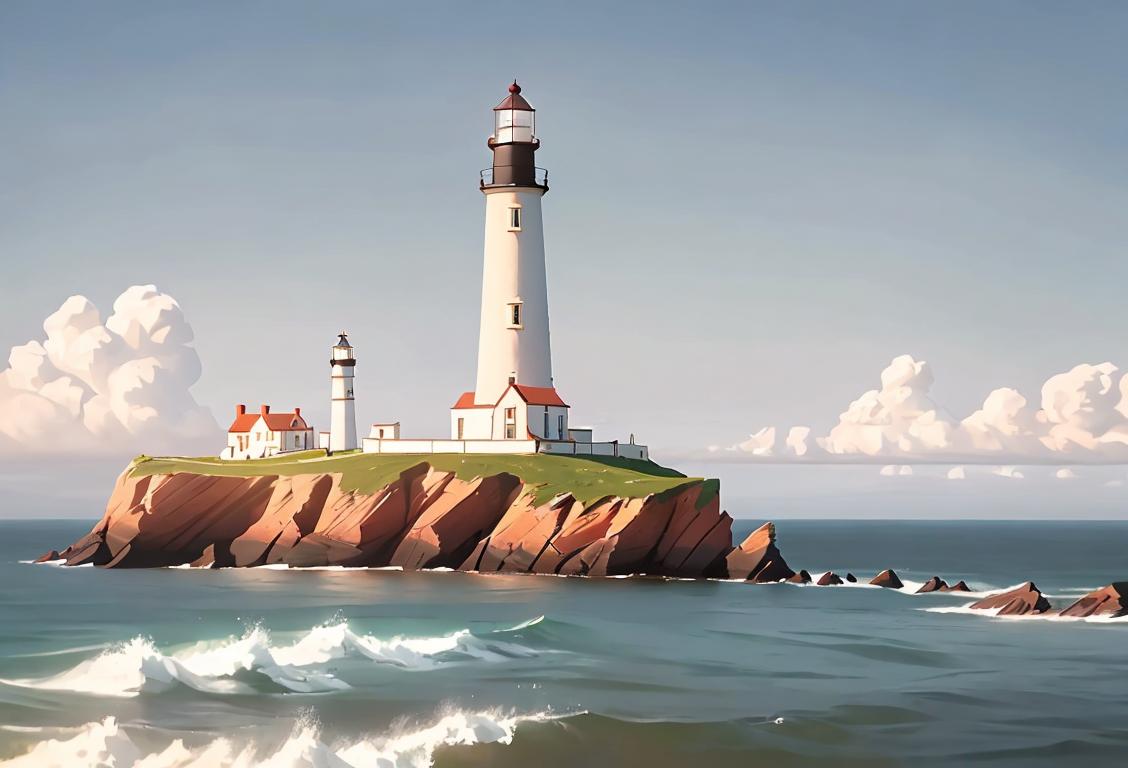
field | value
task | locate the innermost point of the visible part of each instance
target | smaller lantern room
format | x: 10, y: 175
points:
x: 513, y: 119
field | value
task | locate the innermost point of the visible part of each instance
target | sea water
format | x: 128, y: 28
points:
x: 337, y: 668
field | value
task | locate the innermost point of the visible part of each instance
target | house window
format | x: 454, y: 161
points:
x: 510, y: 414
x: 510, y: 423
x: 546, y: 423
x: 514, y: 315
x: 510, y: 431
x: 560, y: 426
x: 515, y: 219
x: 461, y: 427
x: 297, y: 441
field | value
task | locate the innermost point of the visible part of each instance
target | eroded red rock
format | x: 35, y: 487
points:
x: 1020, y: 601
x: 935, y: 584
x: 829, y: 579
x: 1110, y: 601
x: 424, y: 519
x: 959, y: 586
x: 888, y: 579
x: 757, y: 559
x: 803, y: 577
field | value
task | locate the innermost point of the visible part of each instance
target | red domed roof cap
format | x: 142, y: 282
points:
x: 514, y: 100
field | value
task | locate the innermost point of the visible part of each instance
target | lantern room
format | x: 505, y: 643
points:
x: 513, y: 119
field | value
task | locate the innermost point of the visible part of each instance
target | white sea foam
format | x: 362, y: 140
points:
x: 993, y: 613
x: 522, y: 625
x: 107, y: 743
x: 138, y: 666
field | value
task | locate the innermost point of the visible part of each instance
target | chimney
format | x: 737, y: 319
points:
x: 240, y: 409
x: 297, y: 412
x: 512, y: 379
x: 265, y: 410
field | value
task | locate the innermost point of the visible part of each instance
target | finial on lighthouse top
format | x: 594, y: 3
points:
x: 343, y: 340
x: 514, y: 100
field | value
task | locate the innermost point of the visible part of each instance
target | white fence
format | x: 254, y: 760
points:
x: 555, y: 447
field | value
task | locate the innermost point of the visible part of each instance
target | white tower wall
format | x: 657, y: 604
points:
x: 513, y: 272
x: 342, y: 422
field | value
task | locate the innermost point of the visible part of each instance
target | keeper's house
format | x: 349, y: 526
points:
x: 262, y: 434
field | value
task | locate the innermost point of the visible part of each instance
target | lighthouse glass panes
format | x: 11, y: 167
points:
x: 514, y: 314
x: 514, y: 218
x: 513, y: 125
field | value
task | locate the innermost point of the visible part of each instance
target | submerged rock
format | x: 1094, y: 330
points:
x: 48, y: 557
x: 935, y: 584
x: 1110, y: 601
x: 851, y: 578
x: 829, y: 579
x: 800, y: 578
x: 888, y: 579
x: 757, y: 559
x: 1023, y: 600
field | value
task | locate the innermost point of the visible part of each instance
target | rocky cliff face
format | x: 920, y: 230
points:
x: 424, y: 519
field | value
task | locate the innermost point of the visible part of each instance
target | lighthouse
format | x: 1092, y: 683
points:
x: 342, y: 422
x: 513, y: 340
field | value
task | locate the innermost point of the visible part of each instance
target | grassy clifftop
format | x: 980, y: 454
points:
x: 586, y: 478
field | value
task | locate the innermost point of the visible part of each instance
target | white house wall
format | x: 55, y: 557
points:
x: 511, y: 400
x: 477, y: 424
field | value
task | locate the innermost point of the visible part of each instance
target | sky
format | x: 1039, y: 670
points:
x: 755, y: 207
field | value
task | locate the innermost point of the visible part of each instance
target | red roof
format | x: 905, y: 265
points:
x: 243, y: 422
x: 514, y: 100
x: 531, y: 396
x: 276, y: 422
x: 466, y: 400
x: 539, y: 395
x: 285, y: 422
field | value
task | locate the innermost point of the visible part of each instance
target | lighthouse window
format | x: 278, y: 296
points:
x: 515, y: 219
x: 515, y: 315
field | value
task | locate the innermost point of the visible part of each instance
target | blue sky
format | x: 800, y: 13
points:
x: 754, y: 206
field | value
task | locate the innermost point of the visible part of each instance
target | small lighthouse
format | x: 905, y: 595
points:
x: 513, y: 344
x: 342, y: 423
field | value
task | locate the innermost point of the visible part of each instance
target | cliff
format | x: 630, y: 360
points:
x: 537, y: 514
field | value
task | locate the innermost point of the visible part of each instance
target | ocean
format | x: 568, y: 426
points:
x: 344, y: 668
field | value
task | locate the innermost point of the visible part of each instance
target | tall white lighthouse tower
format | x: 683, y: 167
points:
x: 342, y: 422
x: 513, y: 345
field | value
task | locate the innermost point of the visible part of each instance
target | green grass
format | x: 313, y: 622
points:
x: 586, y: 478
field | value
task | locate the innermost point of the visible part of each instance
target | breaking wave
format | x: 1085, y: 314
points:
x: 992, y: 613
x: 230, y: 665
x: 109, y: 743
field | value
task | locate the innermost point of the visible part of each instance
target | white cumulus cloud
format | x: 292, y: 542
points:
x: 1082, y: 415
x: 94, y: 387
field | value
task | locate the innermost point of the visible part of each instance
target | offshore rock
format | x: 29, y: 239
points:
x: 757, y: 559
x: 888, y: 579
x: 935, y: 584
x: 1023, y: 600
x: 424, y: 518
x: 829, y: 579
x: 851, y: 578
x: 1110, y: 601
x: 803, y: 577
x: 959, y: 586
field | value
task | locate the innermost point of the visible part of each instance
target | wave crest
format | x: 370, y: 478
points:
x: 212, y: 667
x: 108, y: 743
